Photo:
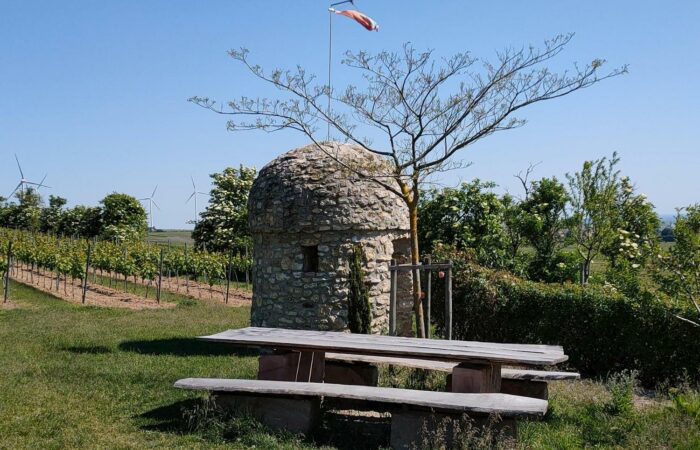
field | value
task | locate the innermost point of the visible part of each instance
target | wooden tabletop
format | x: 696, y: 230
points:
x: 379, y: 345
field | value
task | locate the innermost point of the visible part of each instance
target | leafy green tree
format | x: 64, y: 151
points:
x: 123, y: 218
x: 26, y: 213
x: 513, y: 219
x: 468, y: 217
x: 637, y: 226
x: 543, y: 226
x: 678, y: 269
x: 224, y: 223
x: 592, y: 219
x: 667, y: 234
x: 51, y: 216
x: 83, y: 221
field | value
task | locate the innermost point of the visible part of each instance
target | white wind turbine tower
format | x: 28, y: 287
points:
x: 24, y: 183
x: 151, y: 203
x: 194, y: 194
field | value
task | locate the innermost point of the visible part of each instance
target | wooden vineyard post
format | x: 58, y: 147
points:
x: 228, y: 276
x: 448, y: 302
x: 87, y: 273
x: 426, y: 306
x: 247, y: 278
x: 7, y: 273
x: 160, y: 276
x: 392, y: 298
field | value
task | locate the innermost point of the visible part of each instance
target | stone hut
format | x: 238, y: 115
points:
x: 306, y: 213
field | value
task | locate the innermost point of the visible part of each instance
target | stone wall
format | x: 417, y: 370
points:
x: 285, y: 296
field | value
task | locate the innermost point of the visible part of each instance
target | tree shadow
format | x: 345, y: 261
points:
x: 338, y: 429
x: 168, y: 418
x: 349, y: 431
x: 88, y: 349
x: 184, y: 347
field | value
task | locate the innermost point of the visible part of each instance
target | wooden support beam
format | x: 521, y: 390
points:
x: 292, y: 366
x: 475, y: 378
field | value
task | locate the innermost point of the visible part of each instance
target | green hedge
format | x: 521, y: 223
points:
x: 600, y: 330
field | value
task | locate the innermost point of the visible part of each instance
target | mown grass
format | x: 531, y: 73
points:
x: 88, y: 377
x: 176, y: 238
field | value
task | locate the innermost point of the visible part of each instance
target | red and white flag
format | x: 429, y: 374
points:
x: 358, y: 17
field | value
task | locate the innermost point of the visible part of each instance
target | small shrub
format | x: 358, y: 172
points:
x: 621, y: 387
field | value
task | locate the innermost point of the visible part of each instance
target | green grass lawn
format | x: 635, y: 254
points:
x: 87, y: 377
x: 174, y: 237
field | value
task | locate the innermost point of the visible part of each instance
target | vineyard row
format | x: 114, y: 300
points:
x: 73, y: 258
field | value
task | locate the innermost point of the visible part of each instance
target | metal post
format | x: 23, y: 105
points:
x: 87, y: 273
x: 160, y: 276
x: 228, y: 275
x: 7, y: 272
x: 426, y: 307
x: 448, y: 302
x: 392, y: 299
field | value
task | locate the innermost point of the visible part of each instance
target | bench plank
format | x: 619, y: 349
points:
x: 442, y: 366
x: 503, y: 404
x: 431, y: 349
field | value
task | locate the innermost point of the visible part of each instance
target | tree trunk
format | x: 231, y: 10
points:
x: 415, y: 258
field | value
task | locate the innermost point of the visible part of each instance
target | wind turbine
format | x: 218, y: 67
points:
x: 24, y: 183
x: 194, y: 194
x: 151, y: 203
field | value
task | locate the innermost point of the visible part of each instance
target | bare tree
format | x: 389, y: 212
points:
x: 420, y: 110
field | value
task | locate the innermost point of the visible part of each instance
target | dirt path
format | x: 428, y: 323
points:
x: 97, y: 295
x: 193, y: 289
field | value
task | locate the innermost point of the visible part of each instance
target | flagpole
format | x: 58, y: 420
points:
x: 330, y: 59
x: 330, y: 54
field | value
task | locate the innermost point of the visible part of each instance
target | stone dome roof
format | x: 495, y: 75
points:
x: 306, y: 190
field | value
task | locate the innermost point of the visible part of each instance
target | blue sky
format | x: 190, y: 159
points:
x: 94, y: 93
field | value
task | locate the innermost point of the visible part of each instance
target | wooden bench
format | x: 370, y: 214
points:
x: 344, y: 368
x: 295, y: 406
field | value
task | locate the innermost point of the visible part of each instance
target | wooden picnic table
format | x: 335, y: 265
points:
x: 299, y: 355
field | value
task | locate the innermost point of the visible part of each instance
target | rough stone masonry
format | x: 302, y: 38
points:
x: 307, y: 210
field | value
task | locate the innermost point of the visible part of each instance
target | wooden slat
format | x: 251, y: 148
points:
x: 457, y: 351
x: 441, y: 366
x: 502, y: 404
x: 538, y: 375
x: 413, y: 363
x: 437, y: 343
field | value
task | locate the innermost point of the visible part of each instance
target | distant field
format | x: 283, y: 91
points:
x: 175, y: 237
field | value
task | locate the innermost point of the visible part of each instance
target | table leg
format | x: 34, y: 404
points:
x: 475, y: 378
x: 292, y: 366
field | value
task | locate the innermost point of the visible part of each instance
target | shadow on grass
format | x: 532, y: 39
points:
x: 168, y: 418
x: 337, y: 429
x: 88, y: 349
x: 184, y: 347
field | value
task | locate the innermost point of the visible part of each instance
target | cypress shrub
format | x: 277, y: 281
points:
x: 359, y: 314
